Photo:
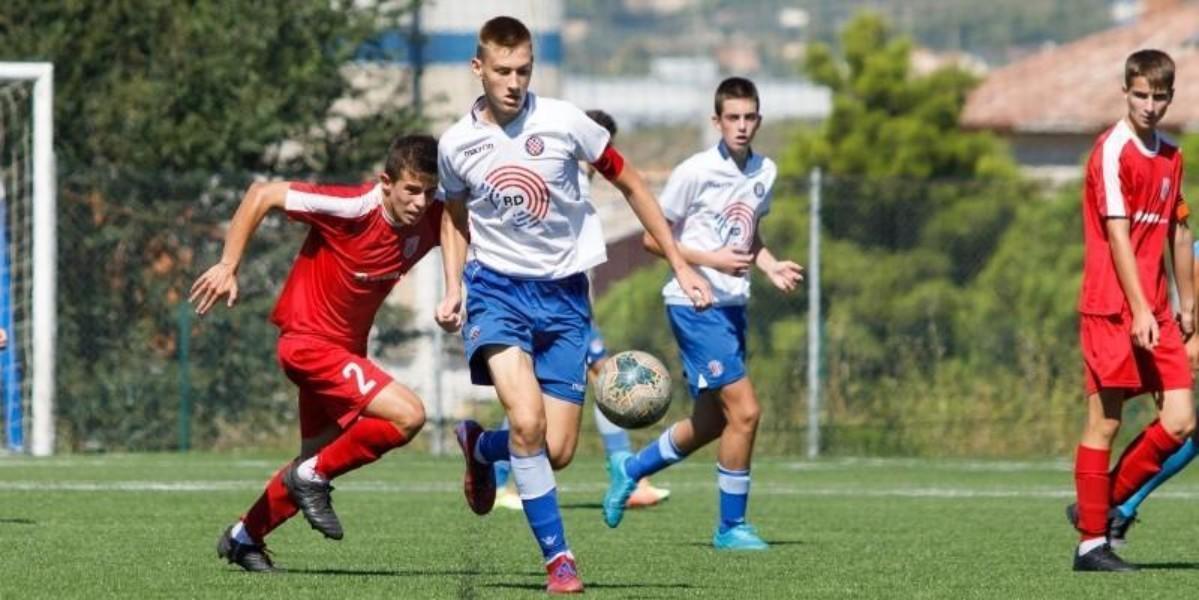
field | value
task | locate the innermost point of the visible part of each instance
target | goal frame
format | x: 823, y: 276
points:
x: 45, y: 250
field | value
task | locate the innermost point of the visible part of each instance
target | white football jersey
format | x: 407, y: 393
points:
x: 713, y: 204
x: 528, y: 216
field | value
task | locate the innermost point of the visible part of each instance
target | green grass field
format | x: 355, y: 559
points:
x: 145, y: 525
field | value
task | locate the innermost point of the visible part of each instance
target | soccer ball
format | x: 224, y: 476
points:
x: 633, y: 389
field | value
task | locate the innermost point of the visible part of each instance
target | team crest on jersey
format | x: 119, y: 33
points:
x: 519, y: 192
x: 759, y: 189
x: 410, y: 246
x: 534, y: 145
x: 736, y: 225
x: 716, y: 368
x: 1165, y: 192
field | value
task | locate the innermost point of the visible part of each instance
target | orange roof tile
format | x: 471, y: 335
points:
x: 1076, y: 87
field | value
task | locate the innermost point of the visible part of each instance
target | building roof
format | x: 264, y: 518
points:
x: 1076, y: 87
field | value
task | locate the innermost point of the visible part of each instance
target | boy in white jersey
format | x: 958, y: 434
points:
x: 714, y: 201
x: 615, y: 439
x: 511, y: 167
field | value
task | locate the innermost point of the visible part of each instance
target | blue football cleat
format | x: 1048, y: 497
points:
x: 741, y: 537
x: 619, y: 490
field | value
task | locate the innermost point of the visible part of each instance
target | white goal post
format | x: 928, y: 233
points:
x: 44, y: 253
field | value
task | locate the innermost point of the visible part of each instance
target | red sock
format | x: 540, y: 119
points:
x: 360, y: 444
x: 1141, y: 461
x: 1092, y: 484
x: 271, y: 510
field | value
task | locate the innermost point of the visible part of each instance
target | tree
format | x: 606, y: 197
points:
x: 164, y: 112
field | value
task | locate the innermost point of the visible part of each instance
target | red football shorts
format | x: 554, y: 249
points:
x: 1112, y: 361
x: 335, y: 384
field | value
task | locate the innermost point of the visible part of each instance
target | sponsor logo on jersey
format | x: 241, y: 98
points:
x: 518, y: 191
x: 534, y: 145
x: 714, y: 185
x: 473, y: 150
x: 736, y: 224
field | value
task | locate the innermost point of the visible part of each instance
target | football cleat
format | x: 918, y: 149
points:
x: 479, y: 481
x: 251, y: 557
x: 563, y: 575
x: 620, y: 488
x: 1101, y: 559
x: 646, y: 495
x: 509, y: 499
x: 741, y: 537
x: 1117, y: 525
x: 315, y: 501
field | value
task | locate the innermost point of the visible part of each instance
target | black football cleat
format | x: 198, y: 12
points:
x: 1101, y: 559
x: 315, y: 501
x: 251, y: 557
x: 1117, y: 525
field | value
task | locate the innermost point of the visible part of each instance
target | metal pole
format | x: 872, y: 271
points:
x: 45, y: 258
x: 185, y: 385
x: 814, y: 315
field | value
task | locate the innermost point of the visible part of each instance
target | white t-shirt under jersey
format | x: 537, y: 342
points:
x: 713, y: 204
x: 528, y: 217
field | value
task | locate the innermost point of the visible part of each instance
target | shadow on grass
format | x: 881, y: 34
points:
x: 16, y: 521
x: 581, y: 505
x: 1168, y: 566
x: 771, y: 542
x: 600, y: 586
x: 390, y: 572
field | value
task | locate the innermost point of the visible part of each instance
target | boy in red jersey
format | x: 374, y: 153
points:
x: 361, y: 240
x: 1131, y: 343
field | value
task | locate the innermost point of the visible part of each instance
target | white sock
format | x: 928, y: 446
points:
x: 307, y: 471
x: 1091, y: 544
x: 240, y: 535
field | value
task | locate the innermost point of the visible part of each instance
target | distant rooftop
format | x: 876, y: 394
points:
x: 1076, y: 87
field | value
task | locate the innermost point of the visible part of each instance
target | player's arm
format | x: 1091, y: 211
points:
x: 784, y: 274
x: 626, y: 179
x: 221, y: 279
x: 1144, y: 324
x: 454, y: 224
x: 1181, y: 240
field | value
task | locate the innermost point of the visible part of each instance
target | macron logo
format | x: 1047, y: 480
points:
x: 478, y: 149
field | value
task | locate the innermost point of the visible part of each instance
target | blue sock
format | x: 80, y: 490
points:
x: 734, y: 496
x: 492, y: 446
x: 535, y: 484
x: 502, y: 467
x: 615, y: 438
x: 654, y: 457
x: 1181, y: 458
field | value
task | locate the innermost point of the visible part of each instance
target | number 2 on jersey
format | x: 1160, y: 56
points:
x: 364, y: 386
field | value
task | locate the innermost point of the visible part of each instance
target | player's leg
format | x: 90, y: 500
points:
x: 1092, y: 481
x: 1177, y: 462
x: 244, y: 542
x: 505, y: 493
x: 741, y: 413
x: 671, y: 446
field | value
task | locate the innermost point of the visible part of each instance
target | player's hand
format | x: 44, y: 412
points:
x: 449, y: 313
x: 695, y: 286
x: 1145, y: 332
x: 1186, y: 323
x: 785, y: 275
x: 1192, y: 347
x: 732, y: 261
x: 220, y: 280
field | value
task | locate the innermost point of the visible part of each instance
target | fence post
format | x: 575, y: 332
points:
x: 185, y: 386
x: 814, y: 315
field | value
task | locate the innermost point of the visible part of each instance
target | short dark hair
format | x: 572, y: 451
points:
x: 736, y: 87
x: 604, y: 119
x: 415, y: 153
x: 1154, y: 65
x: 505, y: 32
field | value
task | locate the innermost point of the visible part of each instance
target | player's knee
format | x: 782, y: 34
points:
x: 527, y: 429
x: 1179, y: 426
x: 745, y: 415
x: 560, y: 458
x: 1104, y: 428
x: 411, y: 418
